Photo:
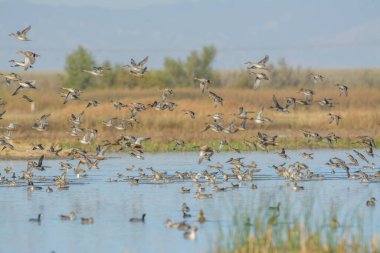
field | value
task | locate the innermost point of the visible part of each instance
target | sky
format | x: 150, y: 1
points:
x: 311, y: 34
x: 111, y: 4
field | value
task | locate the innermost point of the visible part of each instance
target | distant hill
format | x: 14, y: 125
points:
x: 310, y: 34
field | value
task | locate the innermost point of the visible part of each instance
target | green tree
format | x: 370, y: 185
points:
x: 76, y: 62
x: 179, y: 73
x: 108, y: 78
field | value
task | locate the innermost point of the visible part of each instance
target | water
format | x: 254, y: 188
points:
x: 112, y: 204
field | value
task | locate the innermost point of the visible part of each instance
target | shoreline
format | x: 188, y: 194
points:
x: 155, y: 148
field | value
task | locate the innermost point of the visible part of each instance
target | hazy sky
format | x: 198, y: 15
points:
x: 114, y: 4
x: 315, y: 34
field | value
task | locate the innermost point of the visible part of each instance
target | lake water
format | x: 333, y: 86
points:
x: 112, y: 204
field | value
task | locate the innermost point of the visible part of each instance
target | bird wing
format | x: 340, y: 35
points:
x: 275, y: 101
x: 264, y: 60
x: 133, y: 62
x: 143, y: 61
x: 17, y: 90
x: 140, y: 139
x: 40, y: 160
x: 26, y: 30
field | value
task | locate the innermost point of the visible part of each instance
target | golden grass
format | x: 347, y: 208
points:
x: 360, y: 113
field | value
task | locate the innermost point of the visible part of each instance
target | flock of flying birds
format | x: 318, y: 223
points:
x: 240, y: 172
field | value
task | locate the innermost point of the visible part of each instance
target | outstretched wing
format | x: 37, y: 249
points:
x: 143, y: 61
x: 133, y: 62
x: 40, y: 161
x: 275, y: 101
x: 26, y: 30
x: 264, y: 60
x: 17, y: 90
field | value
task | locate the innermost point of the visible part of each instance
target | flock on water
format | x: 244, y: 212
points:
x: 358, y: 165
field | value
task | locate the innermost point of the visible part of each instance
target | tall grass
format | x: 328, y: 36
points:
x: 273, y: 231
x: 360, y: 115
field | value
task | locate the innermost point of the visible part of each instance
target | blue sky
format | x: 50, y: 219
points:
x: 312, y: 34
x: 112, y: 4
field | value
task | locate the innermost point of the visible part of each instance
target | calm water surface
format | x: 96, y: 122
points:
x: 112, y: 204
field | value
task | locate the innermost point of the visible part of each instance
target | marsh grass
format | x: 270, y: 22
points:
x: 360, y: 116
x: 281, y: 231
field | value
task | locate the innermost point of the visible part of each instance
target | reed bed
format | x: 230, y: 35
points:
x: 278, y: 231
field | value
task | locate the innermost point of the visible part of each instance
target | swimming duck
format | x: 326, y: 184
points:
x: 191, y: 235
x: 142, y: 219
x: 89, y: 220
x: 36, y: 220
x: 69, y: 217
x: 371, y: 202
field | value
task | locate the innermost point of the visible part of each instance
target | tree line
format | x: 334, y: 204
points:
x: 180, y: 73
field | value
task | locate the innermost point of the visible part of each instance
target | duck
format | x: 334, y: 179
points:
x: 190, y: 113
x: 217, y: 117
x: 142, y: 219
x: 203, y: 83
x: 343, y: 89
x: 278, y: 107
x: 283, y: 154
x: 30, y: 57
x: 137, y: 69
x: 206, y: 152
x: 307, y: 155
x: 371, y: 202
x: 22, y: 35
x: 32, y: 187
x: 28, y: 99
x: 217, y: 99
x: 36, y: 220
x: 316, y: 77
x: 199, y: 195
x: 334, y: 117
x: 166, y: 93
x: 275, y: 208
x: 308, y: 94
x: 178, y: 225
x: 201, y: 216
x: 69, y: 217
x: 185, y: 208
x: 191, y: 235
x: 258, y: 78
x: 88, y: 220
x: 260, y: 119
x: 49, y: 189
x: 257, y: 65
x: 96, y: 71
x: 24, y: 85
x: 12, y: 77
x: 25, y: 65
